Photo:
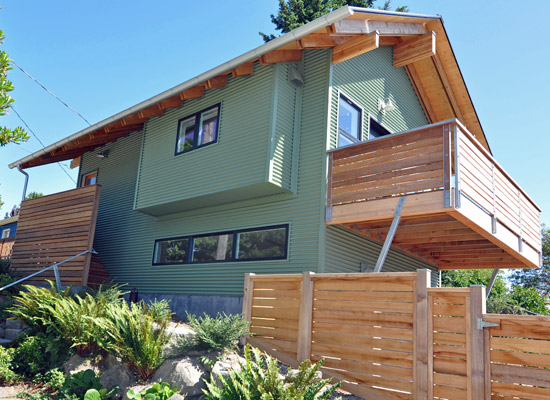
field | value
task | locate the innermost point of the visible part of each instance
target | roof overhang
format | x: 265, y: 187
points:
x: 420, y: 43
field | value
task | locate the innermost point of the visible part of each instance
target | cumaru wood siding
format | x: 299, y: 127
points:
x: 53, y: 228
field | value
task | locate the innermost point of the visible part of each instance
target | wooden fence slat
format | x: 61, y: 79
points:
x: 305, y: 318
x: 420, y: 338
x: 476, y: 363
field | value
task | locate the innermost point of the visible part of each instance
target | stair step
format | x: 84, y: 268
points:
x: 14, y: 324
x: 12, y: 334
x: 5, y: 342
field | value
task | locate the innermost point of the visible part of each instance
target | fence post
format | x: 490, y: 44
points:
x: 247, y: 301
x: 421, y: 362
x: 476, y: 348
x: 305, y: 318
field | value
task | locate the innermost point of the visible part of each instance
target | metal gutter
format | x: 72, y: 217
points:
x: 395, y: 13
x: 274, y: 44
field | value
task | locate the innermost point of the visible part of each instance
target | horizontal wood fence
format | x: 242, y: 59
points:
x: 391, y: 336
x: 53, y: 228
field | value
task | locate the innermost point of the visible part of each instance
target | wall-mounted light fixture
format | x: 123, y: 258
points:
x: 384, y: 106
x: 103, y: 154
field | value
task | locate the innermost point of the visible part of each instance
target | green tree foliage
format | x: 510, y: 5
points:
x: 537, y: 278
x: 7, y: 135
x: 295, y: 13
x: 33, y: 195
x: 517, y: 300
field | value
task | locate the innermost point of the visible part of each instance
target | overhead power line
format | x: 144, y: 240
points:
x: 43, y: 87
x: 40, y: 141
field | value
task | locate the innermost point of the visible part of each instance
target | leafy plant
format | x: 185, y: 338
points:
x: 159, y: 310
x: 159, y: 391
x: 136, y: 338
x: 78, y: 384
x: 7, y: 375
x: 37, y: 354
x: 218, y: 334
x: 259, y: 378
x: 54, y: 379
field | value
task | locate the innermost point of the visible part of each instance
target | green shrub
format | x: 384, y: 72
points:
x: 78, y: 384
x: 159, y: 310
x: 7, y: 375
x: 259, y: 378
x: 214, y: 334
x: 159, y: 391
x: 35, y: 306
x: 5, y: 279
x: 54, y: 379
x: 37, y: 354
x: 136, y: 338
x: 112, y: 293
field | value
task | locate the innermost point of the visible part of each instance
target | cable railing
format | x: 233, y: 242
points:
x: 55, y: 268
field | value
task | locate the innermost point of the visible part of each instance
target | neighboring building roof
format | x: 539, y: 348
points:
x: 349, y: 31
x: 10, y: 220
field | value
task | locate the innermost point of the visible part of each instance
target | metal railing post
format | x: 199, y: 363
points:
x: 57, y: 277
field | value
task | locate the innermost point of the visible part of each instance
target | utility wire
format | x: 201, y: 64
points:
x: 37, y: 138
x: 43, y: 87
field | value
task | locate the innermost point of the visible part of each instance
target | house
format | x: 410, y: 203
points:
x: 304, y: 154
x: 8, y: 226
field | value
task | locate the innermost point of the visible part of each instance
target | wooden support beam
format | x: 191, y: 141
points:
x: 421, y: 92
x: 414, y: 50
x: 447, y: 86
x: 354, y: 26
x: 355, y: 47
x: 216, y: 82
x: 193, y: 93
x: 278, y: 56
x: 152, y: 111
x: 243, y: 69
x: 133, y: 119
x: 75, y: 162
x: 317, y: 40
x: 171, y: 102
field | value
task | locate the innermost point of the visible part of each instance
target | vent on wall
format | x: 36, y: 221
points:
x: 295, y: 77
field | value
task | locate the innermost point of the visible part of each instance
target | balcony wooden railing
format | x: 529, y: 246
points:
x: 442, y: 169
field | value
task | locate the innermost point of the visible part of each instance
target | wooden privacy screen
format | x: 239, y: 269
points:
x: 362, y: 324
x: 53, y: 228
x: 518, y: 357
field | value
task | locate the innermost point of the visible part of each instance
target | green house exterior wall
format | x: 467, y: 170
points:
x: 125, y: 237
x: 365, y: 79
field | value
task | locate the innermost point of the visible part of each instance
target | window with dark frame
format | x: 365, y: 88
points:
x: 350, y: 117
x: 376, y: 129
x: 198, y: 130
x: 266, y: 243
x: 89, y: 179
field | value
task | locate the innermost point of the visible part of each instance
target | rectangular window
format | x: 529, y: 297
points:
x: 262, y: 244
x: 213, y: 248
x: 198, y: 130
x: 172, y: 251
x: 349, y: 122
x: 376, y: 129
x: 269, y: 243
x: 6, y: 233
x: 89, y: 179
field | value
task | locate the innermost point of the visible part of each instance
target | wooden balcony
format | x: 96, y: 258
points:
x: 461, y: 209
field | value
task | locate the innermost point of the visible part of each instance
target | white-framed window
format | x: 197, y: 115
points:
x: 376, y: 129
x: 5, y: 233
x: 350, y: 121
x: 198, y: 130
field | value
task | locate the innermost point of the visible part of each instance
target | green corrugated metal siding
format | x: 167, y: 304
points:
x: 372, y: 76
x: 282, y: 140
x: 125, y: 238
x: 243, y: 133
x: 365, y: 79
x: 347, y: 250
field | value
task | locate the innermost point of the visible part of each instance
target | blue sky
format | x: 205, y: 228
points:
x: 104, y: 56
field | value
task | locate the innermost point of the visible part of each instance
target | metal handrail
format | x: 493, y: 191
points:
x: 55, y: 269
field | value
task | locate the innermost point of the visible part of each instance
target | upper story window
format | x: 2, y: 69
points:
x: 89, y: 179
x: 350, y: 119
x: 376, y: 129
x: 6, y: 233
x: 197, y: 130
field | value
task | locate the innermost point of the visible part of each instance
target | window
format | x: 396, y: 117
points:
x: 376, y: 129
x: 198, y: 130
x: 89, y: 179
x: 349, y: 122
x: 269, y: 243
x: 6, y: 233
x: 262, y: 244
